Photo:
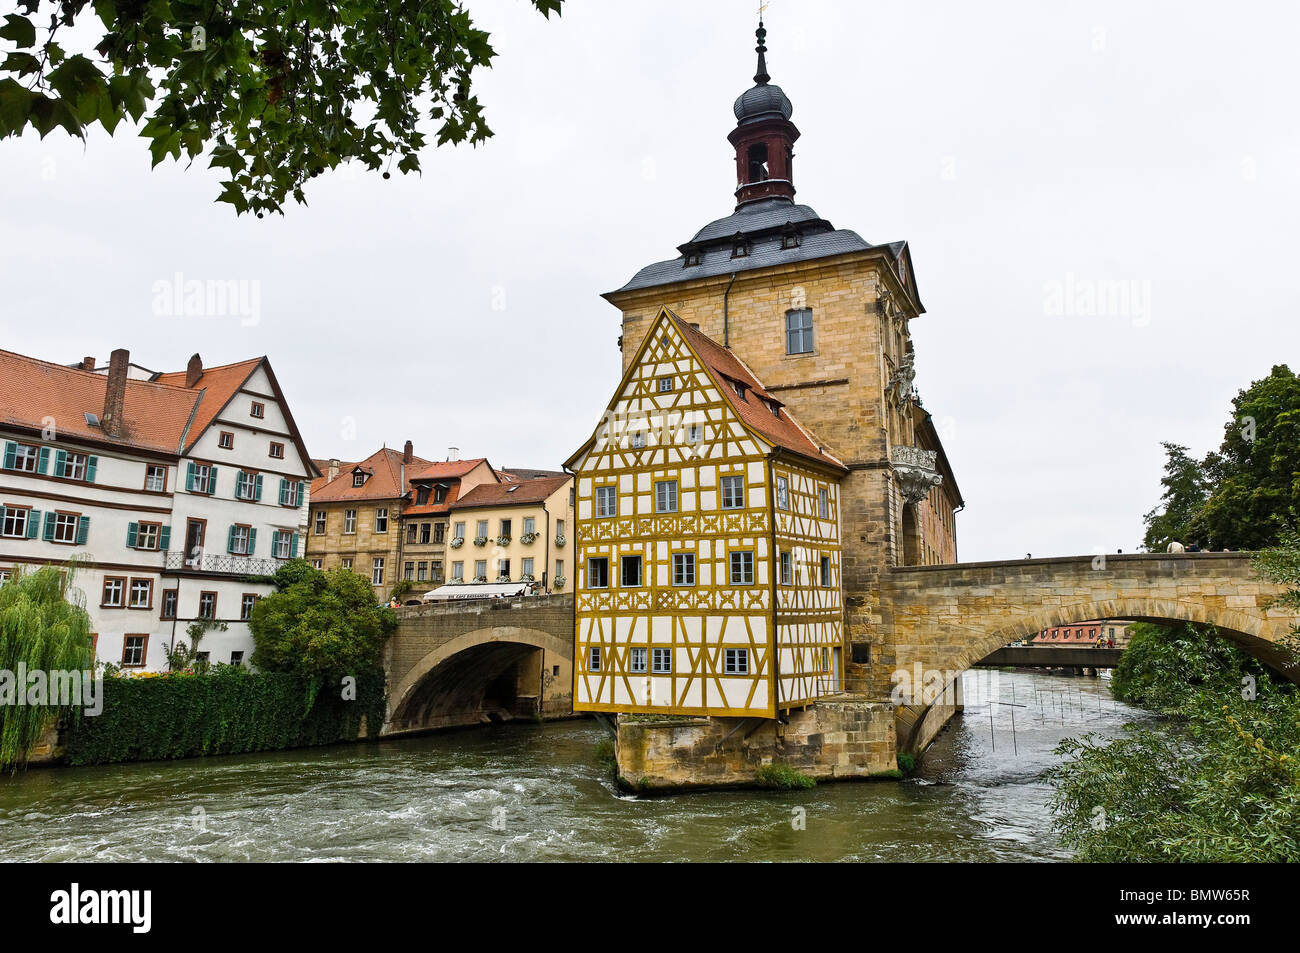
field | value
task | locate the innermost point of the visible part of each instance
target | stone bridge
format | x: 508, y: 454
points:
x: 947, y: 618
x: 472, y: 663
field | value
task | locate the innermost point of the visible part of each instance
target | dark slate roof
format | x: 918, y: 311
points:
x: 762, y: 224
x: 763, y: 101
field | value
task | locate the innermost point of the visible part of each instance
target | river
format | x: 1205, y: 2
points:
x: 529, y: 792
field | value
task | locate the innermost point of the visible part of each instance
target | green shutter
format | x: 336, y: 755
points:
x: 43, y: 461
x: 132, y: 531
x: 83, y: 530
x: 212, y: 481
x: 293, y: 546
x: 252, y: 541
x: 33, y: 523
x: 165, y: 538
x: 60, y: 458
x: 189, y: 477
x: 49, y: 527
x: 302, y: 493
x: 11, y: 455
x: 284, y: 492
x: 91, y: 465
x: 230, y: 539
x: 257, y: 489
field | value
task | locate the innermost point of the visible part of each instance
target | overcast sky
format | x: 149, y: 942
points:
x: 1030, y: 153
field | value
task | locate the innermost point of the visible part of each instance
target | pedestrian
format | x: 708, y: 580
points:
x: 1175, y: 547
x: 1194, y: 548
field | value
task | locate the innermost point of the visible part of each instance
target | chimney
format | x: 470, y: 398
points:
x: 333, y: 469
x: 193, y: 371
x: 407, y: 452
x: 115, y: 392
x: 87, y: 363
x: 453, y: 454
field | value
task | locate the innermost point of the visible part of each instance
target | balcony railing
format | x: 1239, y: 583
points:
x: 221, y: 564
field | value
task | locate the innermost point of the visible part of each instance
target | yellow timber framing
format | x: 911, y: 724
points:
x: 634, y: 467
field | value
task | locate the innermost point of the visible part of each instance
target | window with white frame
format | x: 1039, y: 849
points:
x: 787, y: 568
x: 683, y: 569
x: 65, y: 527
x: 598, y: 573
x: 782, y: 493
x: 526, y: 567
x: 377, y: 571
x: 239, y: 536
x: 638, y: 661
x: 480, y: 569
x: 114, y: 592
x: 349, y: 522
x: 666, y: 496
x: 202, y: 481
x: 665, y: 384
x: 283, y: 544
x: 661, y: 661
x: 141, y: 593
x: 320, y: 523
x: 593, y: 663
x: 638, y: 440
x: 736, y: 661
x: 155, y: 478
x: 826, y: 572
x: 824, y: 503
x: 530, y: 526
x: 733, y: 492
x: 246, y: 485
x: 74, y: 466
x: 606, y: 501
x: 246, y: 603
x: 26, y: 458
x: 381, y: 520
x: 133, y: 651
x: 742, y: 568
x: 15, y: 522
x: 480, y: 529
x: 458, y: 571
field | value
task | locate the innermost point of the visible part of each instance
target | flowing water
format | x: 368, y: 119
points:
x: 535, y: 793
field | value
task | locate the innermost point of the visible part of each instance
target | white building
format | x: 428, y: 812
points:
x: 175, y: 493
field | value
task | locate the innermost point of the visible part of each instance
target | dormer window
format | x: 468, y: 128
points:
x: 440, y: 493
x: 421, y: 495
x: 691, y: 257
x: 774, y: 407
x: 739, y: 388
x: 359, y: 477
x: 739, y: 247
x: 789, y: 237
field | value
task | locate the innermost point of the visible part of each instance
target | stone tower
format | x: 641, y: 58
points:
x: 822, y: 317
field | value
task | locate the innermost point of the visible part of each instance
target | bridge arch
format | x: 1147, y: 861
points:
x: 468, y: 677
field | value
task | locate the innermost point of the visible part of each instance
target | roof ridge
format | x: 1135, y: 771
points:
x: 130, y: 381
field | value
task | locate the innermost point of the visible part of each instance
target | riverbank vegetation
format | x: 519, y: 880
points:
x: 1217, y: 778
x: 44, y: 628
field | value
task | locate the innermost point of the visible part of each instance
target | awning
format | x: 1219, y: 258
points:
x: 480, y: 590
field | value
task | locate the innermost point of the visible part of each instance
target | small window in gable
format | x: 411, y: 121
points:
x: 359, y: 477
x: 665, y: 384
x: 258, y: 410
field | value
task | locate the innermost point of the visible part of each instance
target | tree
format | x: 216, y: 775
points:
x: 1246, y: 493
x: 1186, y: 489
x: 323, y: 625
x: 44, y: 627
x: 273, y: 93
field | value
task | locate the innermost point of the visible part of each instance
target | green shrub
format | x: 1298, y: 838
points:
x: 783, y: 778
x: 906, y: 762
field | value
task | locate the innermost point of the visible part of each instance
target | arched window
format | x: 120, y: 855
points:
x: 758, y: 162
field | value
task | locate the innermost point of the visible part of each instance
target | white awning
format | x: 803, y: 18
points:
x: 481, y: 590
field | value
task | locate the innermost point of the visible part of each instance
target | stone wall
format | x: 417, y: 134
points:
x: 832, y: 739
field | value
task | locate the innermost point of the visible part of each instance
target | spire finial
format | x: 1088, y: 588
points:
x: 761, y: 76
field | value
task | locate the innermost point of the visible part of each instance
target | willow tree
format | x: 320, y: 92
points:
x: 44, y: 627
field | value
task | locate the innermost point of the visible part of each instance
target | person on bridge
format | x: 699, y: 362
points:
x: 1174, y: 547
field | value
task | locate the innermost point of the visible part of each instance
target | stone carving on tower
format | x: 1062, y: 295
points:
x: 916, y: 472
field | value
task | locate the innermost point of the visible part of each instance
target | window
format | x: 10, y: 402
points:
x: 408, y: 571
x: 349, y: 522
x: 526, y: 567
x: 237, y: 658
x: 458, y: 531
x: 377, y: 571
x: 503, y: 569
x: 141, y: 594
x: 440, y: 493
x: 799, y: 331
x: 169, y: 603
x: 666, y: 496
x: 258, y: 410
x: 826, y: 572
x: 202, y: 478
x: 480, y: 569
x: 226, y: 441
x: 411, y: 530
x: 638, y: 661
x: 824, y: 503
x: 381, y: 520
x: 630, y: 572
x: 458, y: 571
x: 665, y: 384
x: 559, y: 528
x: 114, y: 592
x: 63, y: 528
x: 598, y: 573
x: 683, y: 569
x: 346, y: 562
x: 246, y: 603
x: 424, y: 571
x: 207, y: 605
x: 742, y: 569
x: 606, y: 501
x: 480, y: 529
x: 248, y: 486
x: 638, y: 440
x: 277, y: 451
x: 506, y: 527
x: 134, y: 648
x: 786, y: 569
x: 291, y: 492
x: 425, y: 529
x: 317, y: 563
x: 695, y: 434
x: 559, y: 569
x: 530, y: 526
x: 439, y: 532
x: 73, y: 466
x: 282, y: 545
x: 241, y: 540
x: 421, y: 495
x: 23, y: 457
x: 320, y: 522
x: 733, y: 492
x: 594, y: 663
x: 155, y: 479
x: 16, y: 522
x: 782, y: 493
x: 661, y: 661
x: 736, y: 661
x: 359, y: 477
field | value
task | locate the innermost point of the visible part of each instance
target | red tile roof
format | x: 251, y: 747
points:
x: 778, y: 428
x: 385, y: 482
x: 523, y: 492
x: 445, y: 470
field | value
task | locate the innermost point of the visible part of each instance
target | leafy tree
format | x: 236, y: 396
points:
x: 1164, y: 665
x: 1186, y: 489
x: 323, y: 625
x: 44, y: 627
x: 1243, y: 495
x: 273, y: 93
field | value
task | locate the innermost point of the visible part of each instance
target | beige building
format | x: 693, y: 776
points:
x: 516, y: 531
x: 426, y: 527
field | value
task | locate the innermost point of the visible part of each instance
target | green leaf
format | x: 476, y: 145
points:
x: 19, y: 30
x: 15, y: 106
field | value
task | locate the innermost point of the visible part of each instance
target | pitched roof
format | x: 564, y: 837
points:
x: 384, y: 483
x: 758, y: 409
x: 216, y: 386
x: 446, y: 469
x: 511, y: 494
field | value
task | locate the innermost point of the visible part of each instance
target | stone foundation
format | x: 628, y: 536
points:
x: 830, y: 740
